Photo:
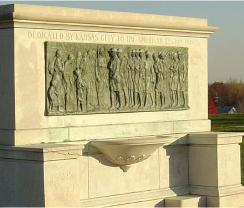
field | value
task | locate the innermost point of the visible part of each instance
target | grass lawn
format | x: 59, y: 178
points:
x: 224, y: 123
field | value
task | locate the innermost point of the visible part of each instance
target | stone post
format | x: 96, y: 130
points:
x: 215, y: 168
x: 45, y: 175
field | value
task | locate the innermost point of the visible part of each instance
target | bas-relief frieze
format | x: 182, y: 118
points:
x: 84, y: 78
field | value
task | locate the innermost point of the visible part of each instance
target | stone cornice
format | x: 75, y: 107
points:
x: 45, y: 17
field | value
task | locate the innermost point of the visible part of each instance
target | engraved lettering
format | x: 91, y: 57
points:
x: 130, y: 39
x: 30, y: 34
x: 107, y: 38
x: 173, y: 41
x: 49, y: 36
x: 77, y: 37
x: 150, y: 40
x: 192, y: 42
x: 121, y: 38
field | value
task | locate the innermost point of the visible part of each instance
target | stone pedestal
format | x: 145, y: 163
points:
x: 214, y: 168
x: 41, y: 163
x: 23, y: 80
x: 40, y: 175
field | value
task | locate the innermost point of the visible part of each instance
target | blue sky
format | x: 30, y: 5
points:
x: 225, y: 47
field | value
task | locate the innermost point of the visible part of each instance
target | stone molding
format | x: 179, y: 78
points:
x: 216, y: 191
x: 214, y: 138
x: 102, y: 21
x: 93, y: 131
x: 41, y: 152
x: 134, y: 197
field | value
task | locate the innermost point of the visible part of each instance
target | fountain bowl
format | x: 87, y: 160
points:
x: 127, y: 151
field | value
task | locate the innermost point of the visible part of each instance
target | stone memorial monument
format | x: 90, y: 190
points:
x: 102, y: 108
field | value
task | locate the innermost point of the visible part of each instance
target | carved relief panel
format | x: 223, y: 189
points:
x: 101, y: 78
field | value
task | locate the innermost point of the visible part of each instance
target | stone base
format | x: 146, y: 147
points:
x: 66, y: 175
x: 235, y: 200
x: 214, y: 168
x: 153, y: 198
x: 39, y: 176
x: 186, y: 201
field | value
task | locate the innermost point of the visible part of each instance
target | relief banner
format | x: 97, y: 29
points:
x: 85, y: 78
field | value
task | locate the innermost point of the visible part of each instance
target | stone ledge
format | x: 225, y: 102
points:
x: 41, y: 152
x: 134, y: 197
x: 109, y: 131
x: 216, y: 191
x: 214, y: 138
x: 235, y: 200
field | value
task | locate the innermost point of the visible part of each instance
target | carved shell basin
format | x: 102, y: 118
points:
x: 127, y: 151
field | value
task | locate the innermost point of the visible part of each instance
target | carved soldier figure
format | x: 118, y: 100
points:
x: 174, y: 79
x: 142, y: 79
x: 130, y: 66
x: 150, y: 79
x: 136, y: 78
x: 70, y: 99
x: 161, y: 84
x: 102, y: 80
x: 90, y: 78
x: 156, y: 67
x: 81, y: 84
x: 167, y: 80
x: 56, y: 69
x: 81, y: 91
x: 114, y: 79
x: 124, y: 78
x: 182, y: 79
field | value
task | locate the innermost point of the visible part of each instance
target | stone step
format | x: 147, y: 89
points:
x: 186, y: 201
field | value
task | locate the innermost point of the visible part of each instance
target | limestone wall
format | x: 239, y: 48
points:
x: 29, y: 123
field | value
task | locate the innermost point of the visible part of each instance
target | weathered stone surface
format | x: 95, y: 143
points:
x: 71, y: 175
x: 30, y: 42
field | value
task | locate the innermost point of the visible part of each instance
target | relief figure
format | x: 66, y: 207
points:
x: 150, y: 80
x: 53, y: 97
x: 114, y: 79
x: 102, y: 80
x: 69, y: 83
x: 156, y: 67
x: 136, y: 78
x: 142, y: 79
x: 78, y: 60
x: 90, y: 79
x: 182, y: 79
x: 174, y: 75
x: 81, y: 83
x: 130, y: 66
x: 161, y: 83
x: 56, y: 69
x: 81, y: 91
x: 124, y: 78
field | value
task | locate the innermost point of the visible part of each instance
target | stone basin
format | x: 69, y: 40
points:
x: 127, y: 151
